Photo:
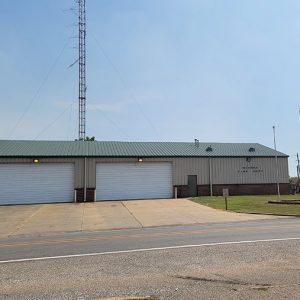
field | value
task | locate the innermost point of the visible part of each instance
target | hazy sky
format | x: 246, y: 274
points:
x: 158, y: 70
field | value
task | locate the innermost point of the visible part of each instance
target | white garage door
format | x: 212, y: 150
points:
x: 117, y: 181
x: 36, y: 183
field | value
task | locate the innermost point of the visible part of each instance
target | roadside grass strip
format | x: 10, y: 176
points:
x: 253, y: 204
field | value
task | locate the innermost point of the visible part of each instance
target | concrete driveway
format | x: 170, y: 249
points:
x: 51, y: 218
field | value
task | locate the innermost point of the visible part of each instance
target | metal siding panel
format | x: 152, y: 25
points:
x: 36, y: 183
x: 91, y: 173
x: 79, y: 175
x: 116, y: 181
x: 230, y: 170
x: 191, y: 166
x: 17, y: 160
x: 132, y: 159
x: 182, y: 167
x: 284, y: 169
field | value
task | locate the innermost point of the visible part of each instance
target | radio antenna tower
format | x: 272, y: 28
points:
x: 82, y: 69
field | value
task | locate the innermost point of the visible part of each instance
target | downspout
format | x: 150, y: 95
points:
x: 210, y: 178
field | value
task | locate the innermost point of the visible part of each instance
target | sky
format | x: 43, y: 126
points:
x: 157, y: 70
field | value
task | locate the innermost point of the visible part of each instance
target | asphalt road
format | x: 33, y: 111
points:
x: 242, y: 260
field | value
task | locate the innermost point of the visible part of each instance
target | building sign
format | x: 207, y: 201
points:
x: 250, y: 169
x: 225, y: 192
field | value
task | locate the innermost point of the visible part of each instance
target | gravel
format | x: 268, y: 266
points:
x: 253, y: 271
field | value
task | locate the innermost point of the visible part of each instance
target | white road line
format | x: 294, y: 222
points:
x: 144, y: 250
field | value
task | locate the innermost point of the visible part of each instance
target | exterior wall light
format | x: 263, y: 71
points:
x: 140, y: 160
x: 35, y: 161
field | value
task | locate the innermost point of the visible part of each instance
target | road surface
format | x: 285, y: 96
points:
x: 241, y: 260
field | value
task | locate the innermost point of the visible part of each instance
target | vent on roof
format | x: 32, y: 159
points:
x: 209, y: 149
x: 196, y: 143
x: 251, y: 149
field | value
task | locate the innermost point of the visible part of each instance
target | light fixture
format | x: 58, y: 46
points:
x: 140, y: 159
x: 35, y: 161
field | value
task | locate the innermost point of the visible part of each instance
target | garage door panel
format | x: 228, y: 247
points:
x: 36, y: 183
x: 133, y: 181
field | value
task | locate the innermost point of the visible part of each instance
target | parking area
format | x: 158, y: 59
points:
x: 53, y: 218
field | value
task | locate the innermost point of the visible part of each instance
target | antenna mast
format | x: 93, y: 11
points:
x: 82, y: 69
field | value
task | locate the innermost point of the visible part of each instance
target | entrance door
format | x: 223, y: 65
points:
x: 192, y: 185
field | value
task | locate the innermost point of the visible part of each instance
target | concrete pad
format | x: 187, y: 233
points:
x: 54, y: 218
x: 108, y: 215
x: 13, y: 216
x: 67, y: 217
x: 181, y: 212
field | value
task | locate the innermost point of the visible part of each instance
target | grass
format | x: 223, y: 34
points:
x: 253, y: 204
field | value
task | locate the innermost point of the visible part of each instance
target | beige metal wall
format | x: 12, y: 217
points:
x: 183, y: 167
x: 258, y: 170
x: 224, y: 170
x: 235, y: 170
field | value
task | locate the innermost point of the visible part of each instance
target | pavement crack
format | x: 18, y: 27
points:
x: 203, y: 279
x: 82, y: 219
x: 137, y: 220
x: 262, y: 286
x: 22, y: 223
x: 226, y: 278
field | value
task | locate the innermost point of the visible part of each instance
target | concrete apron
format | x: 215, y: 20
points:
x: 106, y: 215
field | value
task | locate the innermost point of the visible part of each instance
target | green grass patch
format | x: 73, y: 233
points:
x: 253, y: 204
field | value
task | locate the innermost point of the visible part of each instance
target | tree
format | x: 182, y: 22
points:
x: 89, y: 139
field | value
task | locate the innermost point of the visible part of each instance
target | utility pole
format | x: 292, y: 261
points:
x: 82, y: 69
x: 276, y: 162
x: 298, y: 167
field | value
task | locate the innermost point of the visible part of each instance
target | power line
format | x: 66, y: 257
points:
x: 39, y: 88
x: 124, y: 83
x: 75, y: 129
x: 115, y: 125
x: 54, y: 121
x: 70, y: 116
x: 70, y: 119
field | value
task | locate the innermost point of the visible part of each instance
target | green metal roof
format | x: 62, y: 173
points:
x: 20, y: 148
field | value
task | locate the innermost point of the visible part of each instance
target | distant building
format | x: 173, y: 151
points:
x: 68, y: 171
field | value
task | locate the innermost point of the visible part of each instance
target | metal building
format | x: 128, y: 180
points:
x: 68, y: 171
